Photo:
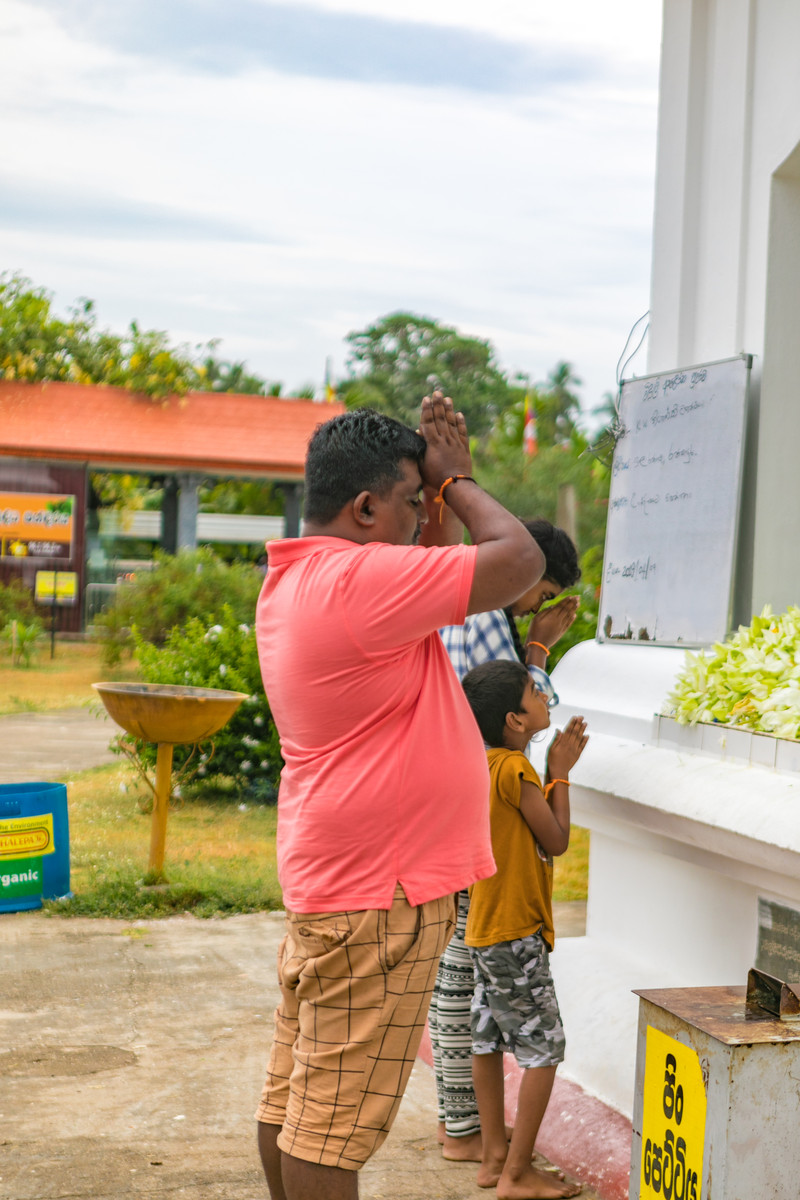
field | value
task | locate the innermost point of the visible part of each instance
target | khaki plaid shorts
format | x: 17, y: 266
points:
x: 355, y: 991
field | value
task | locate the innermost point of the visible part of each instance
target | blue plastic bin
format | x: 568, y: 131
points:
x: 34, y: 856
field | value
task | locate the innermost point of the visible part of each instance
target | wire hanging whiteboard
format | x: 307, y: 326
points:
x: 674, y: 505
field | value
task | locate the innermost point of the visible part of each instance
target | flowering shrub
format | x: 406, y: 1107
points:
x: 191, y: 583
x: 223, y: 655
x: 751, y: 681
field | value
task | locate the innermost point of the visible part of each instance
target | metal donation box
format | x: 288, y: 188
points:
x: 717, y: 1105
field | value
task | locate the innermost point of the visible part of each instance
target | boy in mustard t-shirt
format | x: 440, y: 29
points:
x: 510, y: 924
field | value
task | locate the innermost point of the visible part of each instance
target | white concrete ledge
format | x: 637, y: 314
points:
x: 729, y: 743
x: 746, y: 814
x: 690, y: 828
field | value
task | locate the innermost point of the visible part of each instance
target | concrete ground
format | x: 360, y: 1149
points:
x: 132, y: 1053
x: 132, y: 1057
x: 42, y: 747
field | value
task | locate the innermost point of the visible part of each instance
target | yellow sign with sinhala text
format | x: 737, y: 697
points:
x: 37, y: 524
x: 60, y: 587
x: 673, y: 1120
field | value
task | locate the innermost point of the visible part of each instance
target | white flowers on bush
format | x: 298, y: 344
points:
x: 222, y: 655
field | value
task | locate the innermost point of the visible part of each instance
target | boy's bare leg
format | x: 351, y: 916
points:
x: 470, y: 1148
x: 518, y: 1179
x: 291, y: 1178
x: 487, y: 1079
x: 510, y: 1169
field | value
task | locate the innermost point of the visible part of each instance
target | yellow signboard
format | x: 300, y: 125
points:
x: 26, y: 837
x: 56, y: 587
x: 36, y: 524
x: 673, y: 1120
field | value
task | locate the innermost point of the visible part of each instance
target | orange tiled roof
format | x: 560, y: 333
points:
x: 113, y: 429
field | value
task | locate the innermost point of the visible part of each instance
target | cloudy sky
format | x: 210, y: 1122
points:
x: 279, y: 174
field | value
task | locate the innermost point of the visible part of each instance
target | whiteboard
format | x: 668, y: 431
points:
x: 674, y: 505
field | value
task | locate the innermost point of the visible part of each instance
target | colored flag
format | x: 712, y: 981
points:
x: 529, y: 442
x: 330, y: 387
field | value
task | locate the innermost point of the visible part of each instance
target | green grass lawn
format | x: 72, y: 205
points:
x: 220, y: 855
x: 571, y: 870
x: 220, y: 852
x: 64, y: 681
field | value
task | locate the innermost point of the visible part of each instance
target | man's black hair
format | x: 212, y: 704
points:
x: 561, y: 557
x: 358, y: 451
x: 494, y: 689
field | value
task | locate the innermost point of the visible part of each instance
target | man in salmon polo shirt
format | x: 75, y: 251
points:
x: 383, y: 803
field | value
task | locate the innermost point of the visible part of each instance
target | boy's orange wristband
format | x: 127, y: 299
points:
x: 548, y: 787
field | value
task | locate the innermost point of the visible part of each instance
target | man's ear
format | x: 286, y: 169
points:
x: 364, y: 509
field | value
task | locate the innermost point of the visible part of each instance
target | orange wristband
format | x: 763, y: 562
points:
x: 440, y: 500
x: 548, y: 787
x: 540, y: 646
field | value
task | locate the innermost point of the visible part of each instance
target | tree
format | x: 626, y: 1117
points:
x: 529, y: 487
x: 35, y: 345
x: 605, y: 439
x: 557, y: 408
x: 218, y: 375
x: 400, y: 358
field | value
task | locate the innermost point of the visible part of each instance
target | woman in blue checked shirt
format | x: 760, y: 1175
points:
x: 482, y: 638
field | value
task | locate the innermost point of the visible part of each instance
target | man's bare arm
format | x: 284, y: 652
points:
x: 509, y: 562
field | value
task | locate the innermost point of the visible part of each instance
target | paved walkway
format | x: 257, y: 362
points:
x: 132, y: 1057
x: 132, y: 1053
x: 46, y: 746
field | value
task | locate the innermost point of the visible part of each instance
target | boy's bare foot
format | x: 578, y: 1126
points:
x: 533, y: 1184
x: 469, y: 1149
x: 462, y: 1149
x: 489, y: 1173
x: 441, y: 1133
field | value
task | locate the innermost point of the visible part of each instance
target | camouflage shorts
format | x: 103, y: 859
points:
x: 514, y: 1007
